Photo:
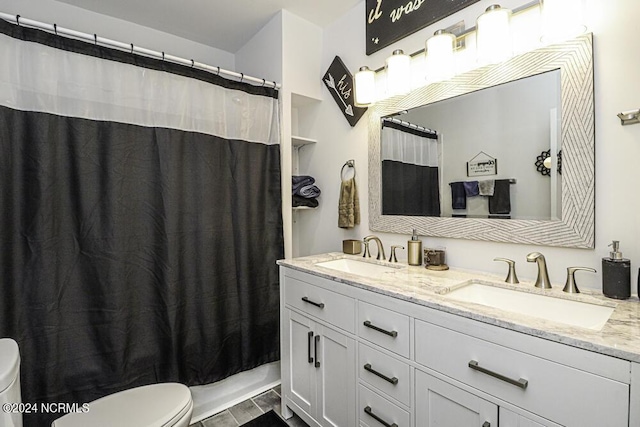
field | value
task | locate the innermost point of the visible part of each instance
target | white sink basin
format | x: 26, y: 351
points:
x: 361, y: 268
x: 574, y: 313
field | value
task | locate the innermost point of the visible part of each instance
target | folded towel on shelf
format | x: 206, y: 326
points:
x: 486, y: 187
x: 500, y: 202
x: 458, y: 195
x: 471, y: 188
x: 308, y: 191
x: 299, y: 181
x: 348, y: 204
x: 299, y: 201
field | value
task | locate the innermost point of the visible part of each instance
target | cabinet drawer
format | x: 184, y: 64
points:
x: 554, y: 391
x: 387, y: 374
x: 385, y: 328
x: 375, y: 410
x: 333, y: 308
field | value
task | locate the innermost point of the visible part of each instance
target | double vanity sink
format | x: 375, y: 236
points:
x: 528, y: 302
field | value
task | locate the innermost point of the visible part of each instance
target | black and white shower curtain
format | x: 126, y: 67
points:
x: 410, y: 172
x: 140, y: 220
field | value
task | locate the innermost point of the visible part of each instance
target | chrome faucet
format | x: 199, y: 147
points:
x: 367, y: 239
x: 543, y: 275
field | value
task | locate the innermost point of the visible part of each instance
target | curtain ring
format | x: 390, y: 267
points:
x: 55, y: 29
x: 263, y: 82
x: 132, y: 48
x: 192, y: 63
x: 241, y: 77
x: 218, y: 72
x: 95, y: 39
x: 275, y: 85
x: 18, y: 20
x: 163, y: 56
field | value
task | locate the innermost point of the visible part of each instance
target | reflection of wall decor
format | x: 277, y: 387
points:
x: 339, y: 82
x: 482, y: 164
x: 388, y: 21
x: 543, y: 161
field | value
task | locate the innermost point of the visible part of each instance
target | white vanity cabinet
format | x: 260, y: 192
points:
x: 320, y: 368
x: 388, y: 361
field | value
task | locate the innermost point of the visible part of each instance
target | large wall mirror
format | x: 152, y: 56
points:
x: 502, y: 153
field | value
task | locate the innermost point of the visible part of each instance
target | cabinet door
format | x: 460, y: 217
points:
x: 337, y: 379
x: 439, y: 404
x: 301, y: 369
x: 511, y: 419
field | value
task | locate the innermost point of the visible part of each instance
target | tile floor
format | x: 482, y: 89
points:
x: 249, y: 409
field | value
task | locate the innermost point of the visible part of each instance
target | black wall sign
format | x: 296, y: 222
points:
x: 339, y: 82
x: 391, y: 20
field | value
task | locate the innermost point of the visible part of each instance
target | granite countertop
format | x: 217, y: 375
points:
x: 619, y: 337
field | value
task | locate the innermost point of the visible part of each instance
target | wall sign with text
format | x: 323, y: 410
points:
x: 339, y: 82
x: 482, y: 164
x: 388, y: 21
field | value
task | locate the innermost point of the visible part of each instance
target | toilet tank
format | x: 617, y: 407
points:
x: 9, y: 383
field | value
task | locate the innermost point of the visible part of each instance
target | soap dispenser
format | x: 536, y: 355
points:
x: 414, y: 250
x: 616, y: 274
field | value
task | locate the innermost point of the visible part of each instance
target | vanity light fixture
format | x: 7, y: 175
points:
x: 365, y: 86
x: 561, y: 20
x: 493, y: 35
x: 398, y: 73
x: 439, y: 59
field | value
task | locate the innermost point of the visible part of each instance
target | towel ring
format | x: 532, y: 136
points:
x: 350, y: 164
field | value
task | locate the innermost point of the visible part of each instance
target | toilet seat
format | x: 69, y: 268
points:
x: 10, y: 366
x: 157, y: 405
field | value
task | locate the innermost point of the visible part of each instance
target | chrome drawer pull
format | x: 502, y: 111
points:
x: 317, y: 304
x: 375, y: 328
x: 368, y: 411
x: 522, y: 383
x: 393, y: 380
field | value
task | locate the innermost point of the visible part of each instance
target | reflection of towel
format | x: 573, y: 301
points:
x: 303, y: 201
x: 500, y: 202
x: 458, y: 195
x: 300, y: 181
x: 471, y: 188
x: 486, y: 187
x: 348, y: 204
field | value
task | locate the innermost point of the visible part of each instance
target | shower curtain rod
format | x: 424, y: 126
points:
x: 94, y: 38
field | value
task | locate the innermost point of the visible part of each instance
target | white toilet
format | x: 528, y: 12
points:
x: 156, y: 405
x: 9, y: 382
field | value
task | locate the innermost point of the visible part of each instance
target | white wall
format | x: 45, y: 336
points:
x: 79, y: 19
x: 614, y: 25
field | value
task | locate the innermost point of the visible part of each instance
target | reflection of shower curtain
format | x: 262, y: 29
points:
x: 140, y: 220
x: 410, y: 184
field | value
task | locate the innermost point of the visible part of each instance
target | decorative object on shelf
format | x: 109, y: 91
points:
x: 543, y: 162
x: 339, y: 82
x: 348, y: 204
x: 388, y: 21
x: 629, y: 117
x: 493, y: 35
x: 482, y: 164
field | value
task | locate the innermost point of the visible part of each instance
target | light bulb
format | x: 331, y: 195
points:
x: 440, y: 61
x: 493, y: 35
x: 398, y: 73
x: 365, y: 85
